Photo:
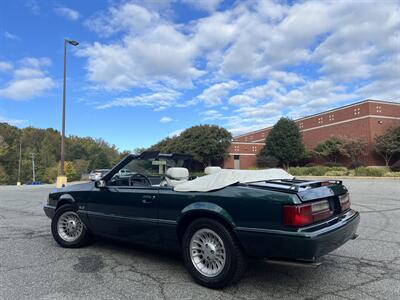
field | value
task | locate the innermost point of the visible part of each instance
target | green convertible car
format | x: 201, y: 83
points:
x: 216, y: 220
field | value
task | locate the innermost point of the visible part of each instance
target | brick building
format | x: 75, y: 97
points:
x: 364, y: 120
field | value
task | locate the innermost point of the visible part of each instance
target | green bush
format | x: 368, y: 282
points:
x: 392, y: 174
x: 356, y: 164
x: 369, y: 171
x: 308, y: 171
x: 332, y: 164
x: 337, y: 173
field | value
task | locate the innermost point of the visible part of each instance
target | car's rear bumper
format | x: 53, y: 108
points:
x: 305, y: 244
x: 49, y: 210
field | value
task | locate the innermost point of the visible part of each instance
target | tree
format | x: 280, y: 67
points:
x: 284, y: 142
x: 3, y: 147
x: 99, y: 161
x: 139, y: 150
x: 207, y: 143
x: 330, y: 149
x: 168, y: 145
x: 354, y: 148
x: 45, y: 143
x: 388, y: 144
x: 70, y: 171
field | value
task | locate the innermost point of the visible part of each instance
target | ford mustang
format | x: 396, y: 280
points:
x: 216, y: 221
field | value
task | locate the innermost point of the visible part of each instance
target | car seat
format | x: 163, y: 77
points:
x: 212, y: 170
x: 175, y: 176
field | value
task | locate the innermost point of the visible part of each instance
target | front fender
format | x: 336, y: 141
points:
x: 207, y: 207
x: 66, y: 199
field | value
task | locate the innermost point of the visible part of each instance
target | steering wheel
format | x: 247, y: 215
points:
x: 143, y: 179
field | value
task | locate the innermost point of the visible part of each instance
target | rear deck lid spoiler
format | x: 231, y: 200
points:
x: 306, y: 190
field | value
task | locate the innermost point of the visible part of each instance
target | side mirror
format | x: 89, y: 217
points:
x: 100, y: 184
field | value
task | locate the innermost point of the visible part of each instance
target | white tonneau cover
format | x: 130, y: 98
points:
x: 227, y: 177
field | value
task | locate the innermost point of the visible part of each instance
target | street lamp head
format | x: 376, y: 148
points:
x: 72, y: 42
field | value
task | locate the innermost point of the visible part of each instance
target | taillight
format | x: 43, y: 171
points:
x: 305, y: 214
x: 344, y: 202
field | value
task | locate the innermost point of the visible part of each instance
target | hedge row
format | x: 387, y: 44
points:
x: 342, y: 171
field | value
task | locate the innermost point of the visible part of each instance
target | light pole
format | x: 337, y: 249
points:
x: 62, y: 180
x: 19, y: 163
x: 33, y: 168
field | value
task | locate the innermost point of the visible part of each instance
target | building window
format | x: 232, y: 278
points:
x: 236, y: 148
x: 254, y: 148
x: 301, y: 125
x: 331, y: 117
x: 379, y: 109
x: 263, y: 134
x: 321, y: 120
x: 251, y: 138
x: 245, y: 138
x: 357, y: 111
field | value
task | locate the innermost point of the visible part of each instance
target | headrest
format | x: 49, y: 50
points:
x: 212, y: 170
x: 177, y: 173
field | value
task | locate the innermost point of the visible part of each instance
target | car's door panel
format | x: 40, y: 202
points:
x: 128, y: 213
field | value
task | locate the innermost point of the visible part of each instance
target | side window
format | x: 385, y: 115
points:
x: 137, y: 173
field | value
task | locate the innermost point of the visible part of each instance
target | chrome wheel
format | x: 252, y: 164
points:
x: 207, y: 252
x: 69, y: 226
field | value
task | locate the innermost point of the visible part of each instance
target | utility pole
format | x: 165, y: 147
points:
x: 33, y: 167
x: 62, y: 180
x: 19, y: 163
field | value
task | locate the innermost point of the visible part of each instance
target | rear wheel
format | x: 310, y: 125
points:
x: 68, y: 229
x: 212, y: 253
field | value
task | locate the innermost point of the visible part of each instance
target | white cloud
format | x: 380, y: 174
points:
x: 291, y: 59
x: 11, y: 36
x: 14, y: 122
x: 28, y: 80
x: 67, y: 13
x: 160, y: 55
x: 156, y: 100
x: 166, y: 120
x: 207, y: 5
x: 242, y: 100
x: 5, y: 66
x: 214, y: 94
x: 212, y: 114
x: 126, y: 17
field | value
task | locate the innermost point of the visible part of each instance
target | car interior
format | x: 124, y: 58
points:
x: 152, y: 168
x: 173, y: 176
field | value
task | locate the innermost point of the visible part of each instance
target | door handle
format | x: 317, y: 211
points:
x: 148, y: 199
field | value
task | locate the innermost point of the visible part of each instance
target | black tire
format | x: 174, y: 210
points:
x: 83, y: 239
x: 235, y: 260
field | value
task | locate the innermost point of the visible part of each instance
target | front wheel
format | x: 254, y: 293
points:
x: 68, y: 229
x: 212, y: 253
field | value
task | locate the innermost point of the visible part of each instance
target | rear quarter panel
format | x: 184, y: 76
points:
x: 247, y: 206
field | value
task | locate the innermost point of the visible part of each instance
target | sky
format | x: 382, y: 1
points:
x: 145, y: 70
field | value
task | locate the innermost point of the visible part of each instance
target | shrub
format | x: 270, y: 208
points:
x: 392, y: 174
x: 332, y: 164
x: 395, y: 167
x: 308, y: 171
x: 267, y: 161
x: 369, y: 171
x: 337, y: 173
x: 356, y: 164
x: 311, y: 164
x: 318, y: 171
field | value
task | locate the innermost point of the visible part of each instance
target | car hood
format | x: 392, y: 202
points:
x: 86, y: 186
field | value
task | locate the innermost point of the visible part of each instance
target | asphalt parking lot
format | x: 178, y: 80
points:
x: 33, y: 266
